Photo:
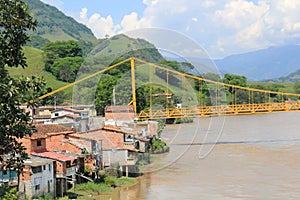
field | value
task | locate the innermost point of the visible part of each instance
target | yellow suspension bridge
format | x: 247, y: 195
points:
x: 218, y: 107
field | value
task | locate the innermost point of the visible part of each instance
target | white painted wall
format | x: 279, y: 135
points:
x: 43, y: 179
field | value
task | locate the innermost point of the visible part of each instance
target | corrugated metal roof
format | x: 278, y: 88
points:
x: 35, y: 161
x: 55, y: 156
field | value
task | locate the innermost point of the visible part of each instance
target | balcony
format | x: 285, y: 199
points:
x: 71, y: 171
x: 68, y: 172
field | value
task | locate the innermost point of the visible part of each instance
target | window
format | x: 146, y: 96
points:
x: 49, y: 167
x: 44, y: 167
x: 39, y: 143
x: 37, y: 169
x: 37, y: 187
x: 49, y: 187
x: 56, y: 114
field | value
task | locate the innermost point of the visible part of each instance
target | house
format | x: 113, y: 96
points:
x: 38, y: 177
x: 118, y: 147
x: 65, y: 169
x: 46, y: 137
x: 120, y: 114
x: 51, y: 137
x: 77, y: 119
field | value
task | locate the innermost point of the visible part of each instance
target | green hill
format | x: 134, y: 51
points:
x: 124, y: 47
x: 36, y: 68
x: 54, y: 25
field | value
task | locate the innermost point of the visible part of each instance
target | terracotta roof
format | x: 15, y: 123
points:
x: 109, y: 139
x: 51, y: 128
x: 91, y: 135
x: 45, y: 130
x: 117, y: 109
x: 55, y: 156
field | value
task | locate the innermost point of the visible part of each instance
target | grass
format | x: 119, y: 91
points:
x: 282, y: 87
x: 94, y: 188
x: 35, y: 62
x: 89, y: 190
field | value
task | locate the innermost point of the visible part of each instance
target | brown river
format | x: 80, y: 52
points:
x: 234, y: 157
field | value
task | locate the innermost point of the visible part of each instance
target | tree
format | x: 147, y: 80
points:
x: 104, y: 93
x: 237, y: 95
x: 60, y: 49
x: 297, y: 87
x: 65, y: 69
x: 15, y: 21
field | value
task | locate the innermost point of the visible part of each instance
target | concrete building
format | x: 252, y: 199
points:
x: 65, y: 170
x: 38, y: 178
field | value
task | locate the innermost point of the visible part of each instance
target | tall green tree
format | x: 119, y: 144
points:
x: 15, y: 21
x: 60, y: 49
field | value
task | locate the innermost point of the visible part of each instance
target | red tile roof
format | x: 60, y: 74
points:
x: 55, y: 156
x: 51, y: 128
x: 44, y: 130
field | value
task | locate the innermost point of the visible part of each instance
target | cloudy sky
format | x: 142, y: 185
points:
x: 221, y: 27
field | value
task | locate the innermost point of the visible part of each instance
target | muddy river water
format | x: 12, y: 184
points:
x: 234, y: 157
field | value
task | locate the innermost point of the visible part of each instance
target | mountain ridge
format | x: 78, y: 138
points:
x: 264, y: 64
x: 54, y: 25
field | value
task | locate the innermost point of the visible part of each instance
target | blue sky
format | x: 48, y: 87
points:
x: 221, y: 27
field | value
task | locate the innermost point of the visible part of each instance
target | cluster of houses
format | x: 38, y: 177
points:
x: 69, y: 140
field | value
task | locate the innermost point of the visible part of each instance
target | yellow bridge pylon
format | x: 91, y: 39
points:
x: 201, y: 110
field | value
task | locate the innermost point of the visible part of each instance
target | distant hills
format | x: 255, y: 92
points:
x: 263, y: 64
x: 291, y: 78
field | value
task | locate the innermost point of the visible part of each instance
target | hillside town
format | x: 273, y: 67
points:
x: 70, y: 140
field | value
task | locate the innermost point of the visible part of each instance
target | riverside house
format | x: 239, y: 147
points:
x: 38, y: 178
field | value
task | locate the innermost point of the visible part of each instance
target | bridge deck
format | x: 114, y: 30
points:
x: 202, y: 111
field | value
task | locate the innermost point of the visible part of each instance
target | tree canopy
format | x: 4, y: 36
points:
x: 15, y: 21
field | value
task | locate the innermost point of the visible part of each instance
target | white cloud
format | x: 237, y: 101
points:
x: 131, y: 22
x: 222, y: 27
x: 101, y: 26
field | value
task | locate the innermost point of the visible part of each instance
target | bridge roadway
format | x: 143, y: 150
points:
x: 220, y: 110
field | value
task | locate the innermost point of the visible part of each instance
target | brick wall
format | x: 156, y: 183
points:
x: 59, y: 142
x: 119, y: 116
x: 38, y: 145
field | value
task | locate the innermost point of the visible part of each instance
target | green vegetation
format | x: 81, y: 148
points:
x: 88, y: 189
x: 8, y: 193
x: 35, y: 67
x: 60, y: 49
x: 159, y: 146
x: 183, y: 120
x: 53, y: 25
x: 93, y: 188
x: 15, y: 21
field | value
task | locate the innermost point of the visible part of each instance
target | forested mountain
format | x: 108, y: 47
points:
x: 291, y: 78
x: 263, y: 64
x: 54, y: 25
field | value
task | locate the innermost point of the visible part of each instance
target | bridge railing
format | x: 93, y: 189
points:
x: 202, y: 111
